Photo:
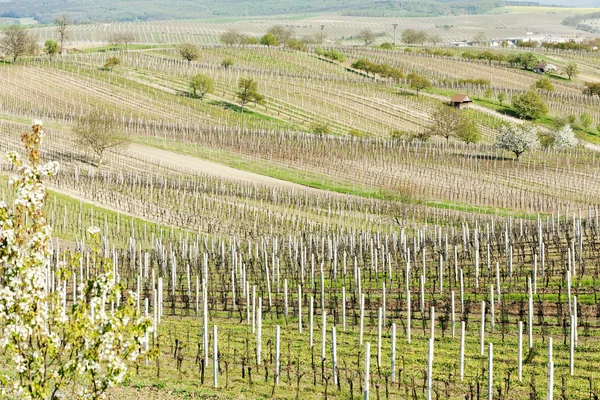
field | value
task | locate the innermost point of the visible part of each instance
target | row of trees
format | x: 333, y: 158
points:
x: 384, y: 70
x: 247, y: 92
x: 17, y: 41
x: 519, y: 139
x: 523, y: 60
x: 449, y: 123
x: 277, y: 35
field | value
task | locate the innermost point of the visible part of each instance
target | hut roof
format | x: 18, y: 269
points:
x: 460, y: 98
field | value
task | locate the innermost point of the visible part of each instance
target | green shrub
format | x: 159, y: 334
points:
x: 586, y: 120
x: 320, y: 128
x: 226, y: 63
x: 529, y: 105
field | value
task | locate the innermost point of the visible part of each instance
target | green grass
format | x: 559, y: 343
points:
x: 235, y: 341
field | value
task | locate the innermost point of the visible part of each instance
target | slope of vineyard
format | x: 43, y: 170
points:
x: 270, y: 255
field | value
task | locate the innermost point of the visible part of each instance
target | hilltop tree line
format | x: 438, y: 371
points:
x: 279, y: 35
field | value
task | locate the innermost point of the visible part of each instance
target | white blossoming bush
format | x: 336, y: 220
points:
x: 564, y: 138
x: 54, y: 348
x: 517, y: 138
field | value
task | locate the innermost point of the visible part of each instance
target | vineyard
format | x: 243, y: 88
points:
x: 336, y: 27
x: 277, y: 262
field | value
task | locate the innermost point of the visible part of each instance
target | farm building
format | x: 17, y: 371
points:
x: 542, y: 68
x: 460, y: 101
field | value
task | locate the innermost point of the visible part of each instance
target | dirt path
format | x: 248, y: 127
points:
x: 197, y: 165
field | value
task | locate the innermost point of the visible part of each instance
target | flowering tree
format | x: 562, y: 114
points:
x: 564, y: 138
x: 54, y: 347
x: 517, y: 139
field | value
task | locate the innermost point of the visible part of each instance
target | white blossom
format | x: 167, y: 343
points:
x: 564, y: 138
x: 93, y: 230
x: 33, y: 318
x: 517, y: 138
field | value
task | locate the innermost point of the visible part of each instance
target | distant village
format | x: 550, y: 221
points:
x: 531, y: 39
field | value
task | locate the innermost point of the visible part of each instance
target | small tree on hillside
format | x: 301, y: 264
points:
x: 517, y: 139
x: 501, y: 97
x: 227, y: 63
x: 418, y: 82
x: 125, y: 38
x: 468, y: 131
x: 189, y: 51
x: 592, y: 89
x: 320, y: 128
x: 572, y: 70
x: 451, y: 122
x: 17, y: 41
x: 445, y: 122
x: 62, y: 28
x: 293, y: 44
x: 51, y: 47
x: 564, y: 138
x: 434, y: 39
x: 528, y: 60
x: 248, y: 92
x: 112, y: 62
x: 529, y: 105
x: 269, y: 40
x: 231, y: 37
x: 281, y: 33
x: 100, y: 132
x: 544, y: 84
x: 414, y: 36
x: 201, y: 85
x: 586, y: 119
x: 367, y: 36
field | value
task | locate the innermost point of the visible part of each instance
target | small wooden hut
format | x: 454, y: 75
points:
x: 460, y: 101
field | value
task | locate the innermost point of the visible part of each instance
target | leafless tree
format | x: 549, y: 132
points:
x: 125, y: 38
x: 100, y: 132
x: 367, y: 36
x: 17, y: 41
x: 62, y: 27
